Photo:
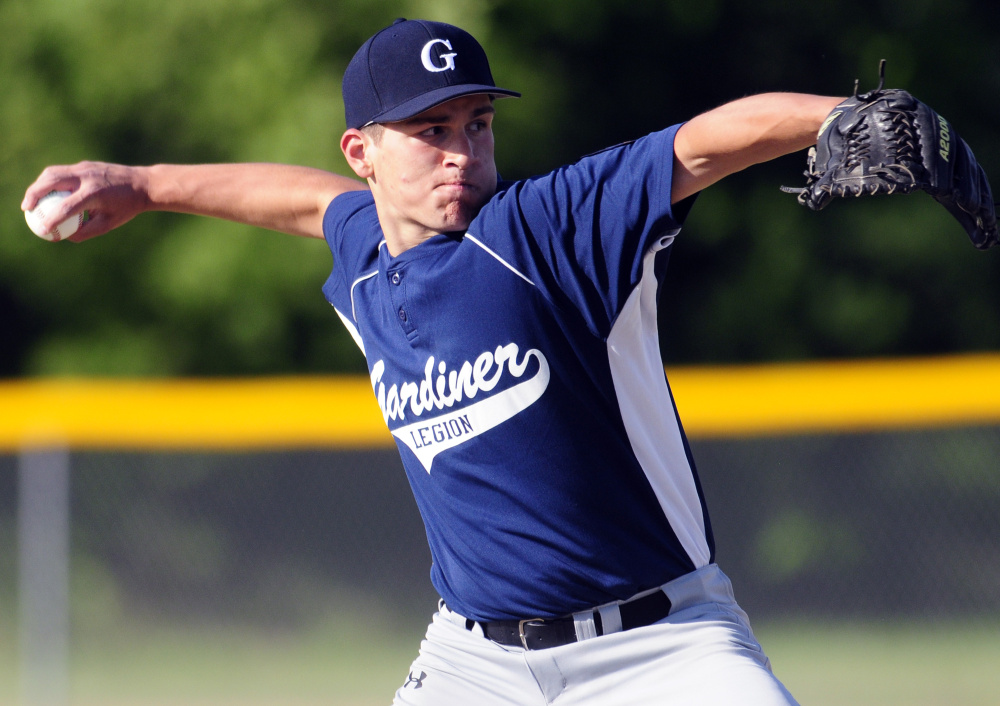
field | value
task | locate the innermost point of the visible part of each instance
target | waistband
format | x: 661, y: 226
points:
x: 705, y: 585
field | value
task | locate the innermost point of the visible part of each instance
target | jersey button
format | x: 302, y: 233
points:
x: 402, y: 314
x: 396, y: 278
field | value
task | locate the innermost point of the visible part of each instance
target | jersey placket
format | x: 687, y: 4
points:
x: 396, y: 278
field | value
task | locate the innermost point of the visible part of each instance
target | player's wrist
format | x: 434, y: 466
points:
x: 158, y: 187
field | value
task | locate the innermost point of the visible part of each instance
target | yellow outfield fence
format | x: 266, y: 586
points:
x: 340, y: 412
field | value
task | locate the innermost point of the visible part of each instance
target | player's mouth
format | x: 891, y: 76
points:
x: 458, y: 187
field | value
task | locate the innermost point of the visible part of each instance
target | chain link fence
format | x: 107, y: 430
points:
x: 876, y: 525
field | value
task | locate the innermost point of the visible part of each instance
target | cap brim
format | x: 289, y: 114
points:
x: 428, y: 100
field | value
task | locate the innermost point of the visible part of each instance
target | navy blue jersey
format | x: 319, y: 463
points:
x: 517, y: 365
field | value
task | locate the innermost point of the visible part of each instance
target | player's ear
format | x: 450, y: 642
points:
x: 357, y: 148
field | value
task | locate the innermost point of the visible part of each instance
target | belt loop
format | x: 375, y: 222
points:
x: 611, y: 618
x: 585, y: 625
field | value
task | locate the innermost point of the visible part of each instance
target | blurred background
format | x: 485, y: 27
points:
x: 869, y: 559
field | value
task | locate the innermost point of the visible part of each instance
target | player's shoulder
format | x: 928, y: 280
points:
x: 347, y: 211
x: 349, y: 204
x: 351, y: 227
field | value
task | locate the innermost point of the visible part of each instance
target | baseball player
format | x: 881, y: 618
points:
x: 510, y: 334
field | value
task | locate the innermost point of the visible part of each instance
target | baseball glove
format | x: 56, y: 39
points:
x: 885, y: 141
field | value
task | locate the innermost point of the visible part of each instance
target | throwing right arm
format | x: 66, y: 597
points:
x: 278, y: 197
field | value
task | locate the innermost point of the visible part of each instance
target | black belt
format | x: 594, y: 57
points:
x: 540, y: 634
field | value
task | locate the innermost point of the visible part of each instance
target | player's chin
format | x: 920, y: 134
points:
x: 457, y: 215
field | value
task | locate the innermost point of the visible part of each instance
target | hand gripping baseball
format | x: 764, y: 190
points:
x: 885, y: 141
x: 111, y: 194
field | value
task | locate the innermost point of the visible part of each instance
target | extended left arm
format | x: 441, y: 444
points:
x: 742, y: 133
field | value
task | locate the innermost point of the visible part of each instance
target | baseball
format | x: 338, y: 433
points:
x: 45, y: 206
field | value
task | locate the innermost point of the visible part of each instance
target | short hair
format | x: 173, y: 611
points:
x: 374, y: 131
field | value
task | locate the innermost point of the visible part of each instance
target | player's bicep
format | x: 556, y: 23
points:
x: 702, y: 156
x: 323, y: 191
x: 689, y: 179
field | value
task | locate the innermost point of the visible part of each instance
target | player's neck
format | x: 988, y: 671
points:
x: 400, y: 239
x: 403, y: 232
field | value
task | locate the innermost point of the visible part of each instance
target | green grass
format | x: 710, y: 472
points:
x: 930, y: 664
x: 244, y: 669
x: 822, y: 664
x: 202, y: 666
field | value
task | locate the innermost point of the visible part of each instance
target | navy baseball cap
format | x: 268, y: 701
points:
x: 413, y: 65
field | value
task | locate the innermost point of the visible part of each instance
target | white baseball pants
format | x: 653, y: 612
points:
x: 702, y: 654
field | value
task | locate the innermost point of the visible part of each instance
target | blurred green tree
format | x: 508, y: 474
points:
x: 755, y: 277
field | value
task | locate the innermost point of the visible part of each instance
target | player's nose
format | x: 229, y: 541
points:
x: 461, y: 151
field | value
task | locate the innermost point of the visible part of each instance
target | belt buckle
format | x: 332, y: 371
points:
x: 520, y: 629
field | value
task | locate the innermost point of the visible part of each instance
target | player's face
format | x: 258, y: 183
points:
x: 433, y: 172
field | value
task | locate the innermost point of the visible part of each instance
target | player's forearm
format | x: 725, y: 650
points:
x: 278, y: 197
x: 274, y: 196
x: 747, y: 131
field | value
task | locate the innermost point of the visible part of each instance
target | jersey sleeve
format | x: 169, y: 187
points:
x: 581, y: 233
x: 351, y: 230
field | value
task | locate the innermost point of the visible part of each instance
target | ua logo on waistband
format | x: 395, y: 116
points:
x: 416, y: 680
x: 449, y: 59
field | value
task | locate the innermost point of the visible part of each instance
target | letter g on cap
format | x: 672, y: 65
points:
x: 449, y: 59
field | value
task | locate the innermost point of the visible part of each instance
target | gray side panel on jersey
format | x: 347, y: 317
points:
x: 648, y: 413
x: 351, y: 329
